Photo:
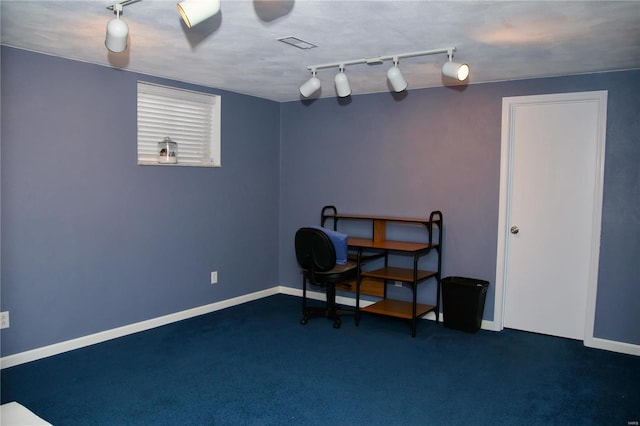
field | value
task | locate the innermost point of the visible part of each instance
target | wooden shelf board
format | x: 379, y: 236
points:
x: 397, y: 274
x: 370, y: 287
x: 404, y: 246
x: 397, y: 308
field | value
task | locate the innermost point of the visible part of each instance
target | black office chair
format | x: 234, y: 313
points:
x: 316, y: 256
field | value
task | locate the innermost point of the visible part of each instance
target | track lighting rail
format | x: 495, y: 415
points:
x: 381, y: 59
x: 122, y: 3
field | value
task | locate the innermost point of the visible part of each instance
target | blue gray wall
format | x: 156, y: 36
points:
x: 90, y: 240
x: 439, y: 149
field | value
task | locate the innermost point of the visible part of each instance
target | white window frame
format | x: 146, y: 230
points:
x: 191, y: 119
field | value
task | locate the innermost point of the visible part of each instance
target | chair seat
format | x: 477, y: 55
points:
x: 337, y: 273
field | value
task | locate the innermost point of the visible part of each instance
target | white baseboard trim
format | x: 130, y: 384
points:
x: 315, y: 295
x: 103, y: 336
x: 92, y: 339
x: 613, y: 346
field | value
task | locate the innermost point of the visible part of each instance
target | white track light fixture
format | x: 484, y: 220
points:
x: 396, y: 78
x: 455, y: 70
x: 117, y: 32
x: 450, y: 69
x: 195, y: 11
x: 342, y: 83
x: 310, y: 86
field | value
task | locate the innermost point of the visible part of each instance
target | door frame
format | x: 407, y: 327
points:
x: 509, y: 105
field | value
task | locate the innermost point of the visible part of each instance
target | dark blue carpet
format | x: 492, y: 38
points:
x: 255, y: 364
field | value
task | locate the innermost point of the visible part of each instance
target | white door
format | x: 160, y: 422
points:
x: 552, y: 208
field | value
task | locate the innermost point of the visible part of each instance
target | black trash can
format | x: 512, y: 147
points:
x: 463, y: 302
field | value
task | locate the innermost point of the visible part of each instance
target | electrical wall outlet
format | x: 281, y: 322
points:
x: 398, y: 283
x: 4, y: 319
x: 214, y: 277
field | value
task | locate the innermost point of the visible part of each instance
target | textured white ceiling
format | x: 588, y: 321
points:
x: 238, y: 50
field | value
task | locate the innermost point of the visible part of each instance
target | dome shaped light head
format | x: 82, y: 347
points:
x: 117, y: 32
x: 310, y: 86
x: 455, y: 70
x: 195, y: 11
x: 342, y: 83
x: 396, y: 78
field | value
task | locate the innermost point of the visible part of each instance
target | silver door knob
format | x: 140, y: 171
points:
x: 515, y: 229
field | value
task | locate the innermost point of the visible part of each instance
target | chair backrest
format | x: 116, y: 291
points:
x: 314, y: 250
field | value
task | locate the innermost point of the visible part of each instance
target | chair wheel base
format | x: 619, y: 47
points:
x: 320, y: 312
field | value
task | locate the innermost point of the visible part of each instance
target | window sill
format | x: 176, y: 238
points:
x: 155, y: 163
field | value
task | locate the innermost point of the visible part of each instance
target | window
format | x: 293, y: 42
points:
x: 190, y: 119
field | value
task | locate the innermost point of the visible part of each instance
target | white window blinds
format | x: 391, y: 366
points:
x: 190, y: 119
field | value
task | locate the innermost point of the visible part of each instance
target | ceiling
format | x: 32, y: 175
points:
x: 238, y: 49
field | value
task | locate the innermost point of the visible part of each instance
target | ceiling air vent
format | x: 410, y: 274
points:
x: 296, y: 42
